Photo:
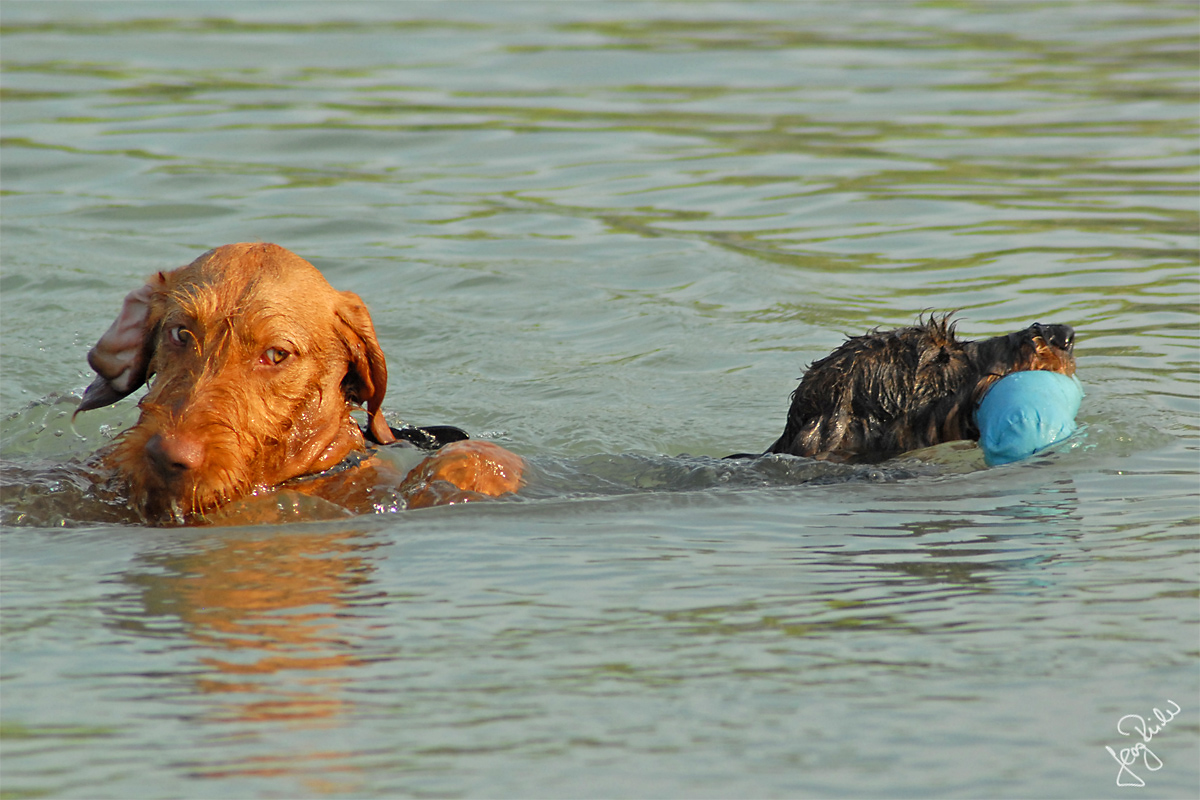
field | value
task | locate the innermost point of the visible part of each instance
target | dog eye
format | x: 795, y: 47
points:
x: 177, y: 335
x: 274, y: 356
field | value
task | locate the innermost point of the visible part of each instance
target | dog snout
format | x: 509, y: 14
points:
x: 1060, y: 336
x: 174, y: 455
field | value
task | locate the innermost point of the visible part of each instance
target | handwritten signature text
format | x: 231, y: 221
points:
x: 1128, y: 757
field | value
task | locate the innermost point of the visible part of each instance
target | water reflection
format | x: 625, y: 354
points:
x: 267, y: 615
x: 983, y: 548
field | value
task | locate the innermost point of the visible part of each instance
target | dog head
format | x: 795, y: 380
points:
x: 254, y: 362
x: 1038, y: 347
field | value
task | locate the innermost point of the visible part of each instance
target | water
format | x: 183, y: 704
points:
x: 606, y: 235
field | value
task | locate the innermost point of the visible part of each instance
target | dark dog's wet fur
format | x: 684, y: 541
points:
x: 888, y: 392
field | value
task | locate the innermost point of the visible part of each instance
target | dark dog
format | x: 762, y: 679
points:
x: 256, y: 363
x: 888, y: 392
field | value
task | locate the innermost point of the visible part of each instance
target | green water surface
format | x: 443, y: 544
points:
x: 604, y: 235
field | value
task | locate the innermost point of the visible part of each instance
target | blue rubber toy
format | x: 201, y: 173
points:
x: 1024, y: 412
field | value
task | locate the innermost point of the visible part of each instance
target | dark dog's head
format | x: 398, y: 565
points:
x: 1038, y: 347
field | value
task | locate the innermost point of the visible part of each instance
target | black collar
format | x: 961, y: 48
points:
x: 429, y: 438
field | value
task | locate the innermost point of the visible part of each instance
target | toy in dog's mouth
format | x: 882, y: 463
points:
x: 1034, y: 405
x: 1025, y: 412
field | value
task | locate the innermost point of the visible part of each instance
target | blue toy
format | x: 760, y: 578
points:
x: 1024, y: 412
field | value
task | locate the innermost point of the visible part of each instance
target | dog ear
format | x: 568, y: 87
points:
x: 366, y: 380
x: 123, y: 353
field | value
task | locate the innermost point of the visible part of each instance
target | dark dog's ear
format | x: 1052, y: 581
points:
x: 123, y: 353
x: 366, y: 379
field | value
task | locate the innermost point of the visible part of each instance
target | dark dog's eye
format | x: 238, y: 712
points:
x: 274, y: 356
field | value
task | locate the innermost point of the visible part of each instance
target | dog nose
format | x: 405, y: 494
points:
x: 174, y: 455
x: 1064, y: 337
x: 1060, y: 336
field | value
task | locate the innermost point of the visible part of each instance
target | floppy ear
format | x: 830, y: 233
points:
x: 366, y: 380
x: 123, y: 353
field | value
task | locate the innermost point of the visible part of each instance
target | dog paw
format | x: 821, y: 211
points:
x: 463, y: 471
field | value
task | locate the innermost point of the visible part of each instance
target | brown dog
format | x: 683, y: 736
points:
x: 257, y: 363
x: 888, y: 392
